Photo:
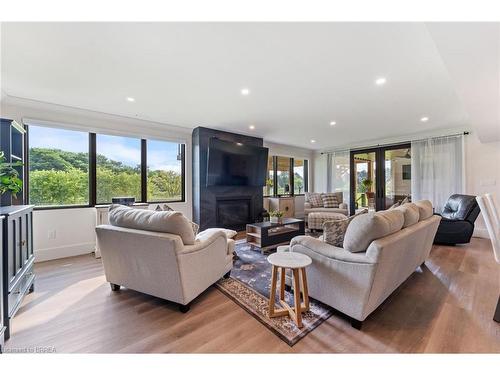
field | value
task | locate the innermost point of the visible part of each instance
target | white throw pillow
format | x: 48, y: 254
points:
x: 156, y: 221
x: 425, y: 209
x: 366, y: 228
x: 410, y: 212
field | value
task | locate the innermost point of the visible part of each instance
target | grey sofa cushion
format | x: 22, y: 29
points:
x: 410, y: 212
x: 156, y: 221
x: 366, y: 228
x: 425, y: 209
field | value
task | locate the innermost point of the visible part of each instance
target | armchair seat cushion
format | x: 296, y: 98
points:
x: 173, y: 222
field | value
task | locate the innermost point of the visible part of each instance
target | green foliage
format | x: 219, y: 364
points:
x: 9, y: 176
x: 61, y: 178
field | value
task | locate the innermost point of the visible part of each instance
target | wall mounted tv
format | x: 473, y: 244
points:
x: 232, y: 163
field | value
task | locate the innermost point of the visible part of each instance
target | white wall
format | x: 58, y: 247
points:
x: 68, y: 232
x: 297, y: 153
x: 482, y: 163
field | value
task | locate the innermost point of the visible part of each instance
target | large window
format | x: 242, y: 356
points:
x: 269, y: 188
x: 118, y: 168
x: 74, y: 168
x: 286, y: 176
x: 165, y: 171
x: 299, y: 173
x: 58, y: 167
x: 283, y: 175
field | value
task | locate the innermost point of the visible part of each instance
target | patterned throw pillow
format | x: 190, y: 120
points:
x: 334, y: 230
x: 314, y: 199
x: 330, y: 200
x: 406, y: 200
x: 195, y: 227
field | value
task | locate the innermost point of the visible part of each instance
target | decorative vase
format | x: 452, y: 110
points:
x: 274, y: 219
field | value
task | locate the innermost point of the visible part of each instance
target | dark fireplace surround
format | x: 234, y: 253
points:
x: 230, y: 207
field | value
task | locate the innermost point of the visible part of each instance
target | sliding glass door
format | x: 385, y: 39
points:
x: 380, y: 177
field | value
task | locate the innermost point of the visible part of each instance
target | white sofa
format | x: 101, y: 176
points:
x: 342, y: 209
x: 161, y: 264
x: 356, y: 283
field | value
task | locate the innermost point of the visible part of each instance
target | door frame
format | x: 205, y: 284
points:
x: 379, y: 173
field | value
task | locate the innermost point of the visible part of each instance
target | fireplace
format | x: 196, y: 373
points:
x: 234, y: 212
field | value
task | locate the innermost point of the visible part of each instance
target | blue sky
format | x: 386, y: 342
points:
x: 161, y: 154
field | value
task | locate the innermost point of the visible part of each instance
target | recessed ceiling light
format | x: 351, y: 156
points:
x: 424, y: 119
x: 380, y: 81
x: 245, y: 91
x: 130, y: 99
x: 239, y: 143
x: 251, y: 127
x: 313, y: 141
x: 333, y: 123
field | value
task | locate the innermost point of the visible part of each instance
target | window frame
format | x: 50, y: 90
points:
x: 92, y: 150
x: 292, y: 178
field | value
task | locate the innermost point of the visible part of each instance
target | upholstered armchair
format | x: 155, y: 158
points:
x: 163, y: 258
x: 309, y: 207
x: 457, y: 222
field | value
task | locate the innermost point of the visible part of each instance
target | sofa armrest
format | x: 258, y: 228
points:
x: 343, y: 206
x: 319, y: 247
x: 307, y: 205
x: 204, y: 239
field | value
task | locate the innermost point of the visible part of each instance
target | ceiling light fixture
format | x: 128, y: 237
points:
x: 333, y: 123
x: 380, y: 81
x: 313, y: 141
x: 251, y: 127
x: 130, y: 99
x: 424, y: 119
x: 245, y: 91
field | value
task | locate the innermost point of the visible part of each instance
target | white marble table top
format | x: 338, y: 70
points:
x: 289, y: 260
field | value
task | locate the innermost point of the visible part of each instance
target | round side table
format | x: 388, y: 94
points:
x: 297, y: 263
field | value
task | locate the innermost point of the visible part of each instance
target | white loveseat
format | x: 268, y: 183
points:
x: 174, y: 266
x: 356, y: 283
x: 309, y: 208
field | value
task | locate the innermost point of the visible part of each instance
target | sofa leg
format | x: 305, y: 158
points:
x: 226, y: 276
x: 357, y: 324
x: 184, y: 308
x: 114, y: 287
x: 423, y: 264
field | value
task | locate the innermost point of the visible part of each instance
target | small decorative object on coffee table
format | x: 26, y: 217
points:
x: 297, y: 263
x: 269, y: 235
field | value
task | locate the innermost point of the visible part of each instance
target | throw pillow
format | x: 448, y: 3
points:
x: 195, y: 227
x: 406, y: 200
x: 334, y: 230
x: 314, y: 199
x: 329, y: 200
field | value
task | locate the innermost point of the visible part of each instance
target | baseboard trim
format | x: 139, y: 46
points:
x: 42, y: 255
x: 481, y: 233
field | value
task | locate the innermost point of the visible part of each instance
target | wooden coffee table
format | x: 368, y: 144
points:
x: 267, y: 235
x: 297, y: 263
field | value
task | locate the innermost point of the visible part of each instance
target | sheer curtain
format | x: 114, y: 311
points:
x: 437, y: 169
x: 338, y: 173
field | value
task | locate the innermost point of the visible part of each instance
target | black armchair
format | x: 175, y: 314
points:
x: 458, y: 217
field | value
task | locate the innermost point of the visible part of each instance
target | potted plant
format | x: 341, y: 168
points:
x: 9, y: 177
x: 269, y: 186
x: 276, y: 216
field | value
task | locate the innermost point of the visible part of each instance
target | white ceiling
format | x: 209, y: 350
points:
x: 301, y: 76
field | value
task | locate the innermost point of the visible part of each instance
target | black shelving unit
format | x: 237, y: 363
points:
x: 12, y: 138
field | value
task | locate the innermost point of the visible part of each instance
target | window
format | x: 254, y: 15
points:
x: 283, y: 175
x: 118, y: 168
x: 269, y: 188
x: 299, y: 179
x: 165, y: 171
x: 61, y: 165
x: 58, y: 167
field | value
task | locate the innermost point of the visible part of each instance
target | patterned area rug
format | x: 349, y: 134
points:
x: 249, y: 286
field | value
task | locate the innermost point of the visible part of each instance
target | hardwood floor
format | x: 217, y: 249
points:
x: 447, y: 306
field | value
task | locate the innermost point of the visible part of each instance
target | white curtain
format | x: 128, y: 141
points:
x: 437, y: 169
x: 338, y: 173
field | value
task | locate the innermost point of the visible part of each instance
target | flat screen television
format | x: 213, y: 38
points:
x: 232, y: 163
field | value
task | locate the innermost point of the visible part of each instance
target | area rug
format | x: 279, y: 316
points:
x: 249, y: 287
